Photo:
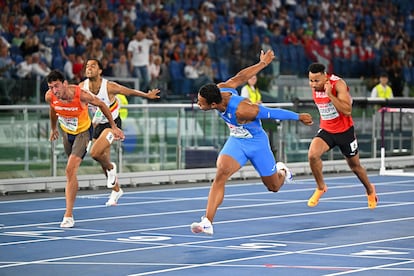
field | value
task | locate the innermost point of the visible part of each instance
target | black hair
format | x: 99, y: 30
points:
x: 55, y: 75
x: 211, y: 93
x: 316, y: 68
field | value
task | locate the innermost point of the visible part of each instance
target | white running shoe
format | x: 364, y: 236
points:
x: 288, y: 173
x: 113, y: 198
x: 67, y: 222
x: 111, y: 177
x: 204, y: 226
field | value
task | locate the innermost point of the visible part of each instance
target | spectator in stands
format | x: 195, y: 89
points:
x: 76, y: 137
x: 6, y: 74
x: 139, y: 50
x: 192, y: 72
x: 24, y: 68
x: 100, y: 31
x: 154, y: 69
x: 331, y: 96
x: 39, y: 67
x: 109, y: 50
x: 251, y: 91
x: 68, y: 67
x: 60, y: 21
x: 107, y: 67
x: 206, y: 69
x: 382, y: 89
x: 396, y: 79
x: 49, y: 42
x: 121, y: 67
x: 177, y: 54
x: 80, y: 43
x: 94, y: 48
x: 85, y: 29
x: 164, y: 78
x: 6, y: 62
x: 32, y: 9
x: 67, y: 43
x: 76, y: 9
x: 78, y: 68
x: 30, y: 44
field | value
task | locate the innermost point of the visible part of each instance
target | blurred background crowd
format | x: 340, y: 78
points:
x: 178, y: 45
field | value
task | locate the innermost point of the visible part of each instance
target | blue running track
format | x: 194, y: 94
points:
x: 256, y: 232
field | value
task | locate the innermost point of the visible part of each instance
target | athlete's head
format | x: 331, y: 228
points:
x: 55, y: 75
x: 208, y: 96
x: 56, y: 83
x: 93, y: 68
x: 317, y: 76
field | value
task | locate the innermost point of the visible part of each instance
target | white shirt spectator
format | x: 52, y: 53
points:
x: 24, y: 68
x: 190, y: 71
x: 139, y: 49
x: 39, y: 68
x: 75, y: 9
x: 85, y: 30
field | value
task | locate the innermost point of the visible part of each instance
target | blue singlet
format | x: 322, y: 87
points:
x: 247, y: 141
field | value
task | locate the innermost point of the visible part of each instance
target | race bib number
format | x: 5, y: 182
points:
x: 328, y: 111
x: 239, y: 132
x: 69, y: 123
x: 110, y: 137
x: 98, y: 117
x: 354, y: 145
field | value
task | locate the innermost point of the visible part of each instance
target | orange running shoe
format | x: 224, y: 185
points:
x: 372, y: 198
x: 314, y: 200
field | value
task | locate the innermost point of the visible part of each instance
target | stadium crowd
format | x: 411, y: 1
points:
x: 191, y: 42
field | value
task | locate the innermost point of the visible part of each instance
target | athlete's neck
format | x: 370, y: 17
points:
x: 95, y: 84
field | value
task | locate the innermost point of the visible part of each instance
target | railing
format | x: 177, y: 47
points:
x: 180, y: 136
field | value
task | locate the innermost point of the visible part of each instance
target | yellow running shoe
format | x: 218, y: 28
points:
x: 372, y: 199
x: 314, y: 200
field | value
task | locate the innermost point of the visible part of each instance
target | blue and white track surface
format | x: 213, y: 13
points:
x: 256, y: 232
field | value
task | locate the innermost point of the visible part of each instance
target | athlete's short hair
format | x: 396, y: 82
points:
x: 316, y: 68
x: 211, y: 93
x: 55, y: 75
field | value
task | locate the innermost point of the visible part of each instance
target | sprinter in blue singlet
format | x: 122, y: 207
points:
x: 247, y: 141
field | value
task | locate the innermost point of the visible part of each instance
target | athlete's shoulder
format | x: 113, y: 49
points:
x: 229, y: 90
x: 333, y: 77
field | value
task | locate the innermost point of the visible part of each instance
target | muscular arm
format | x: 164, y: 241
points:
x: 54, y: 134
x: 247, y: 112
x: 115, y: 88
x: 245, y: 74
x: 342, y: 101
x: 87, y: 97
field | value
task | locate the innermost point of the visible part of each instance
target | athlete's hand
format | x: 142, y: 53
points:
x: 328, y: 88
x: 267, y: 57
x: 118, y: 134
x: 306, y: 119
x: 153, y: 94
x: 54, y: 134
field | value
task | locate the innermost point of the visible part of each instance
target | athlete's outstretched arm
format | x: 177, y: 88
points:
x: 247, y: 112
x: 117, y: 88
x: 245, y: 74
x: 283, y: 114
